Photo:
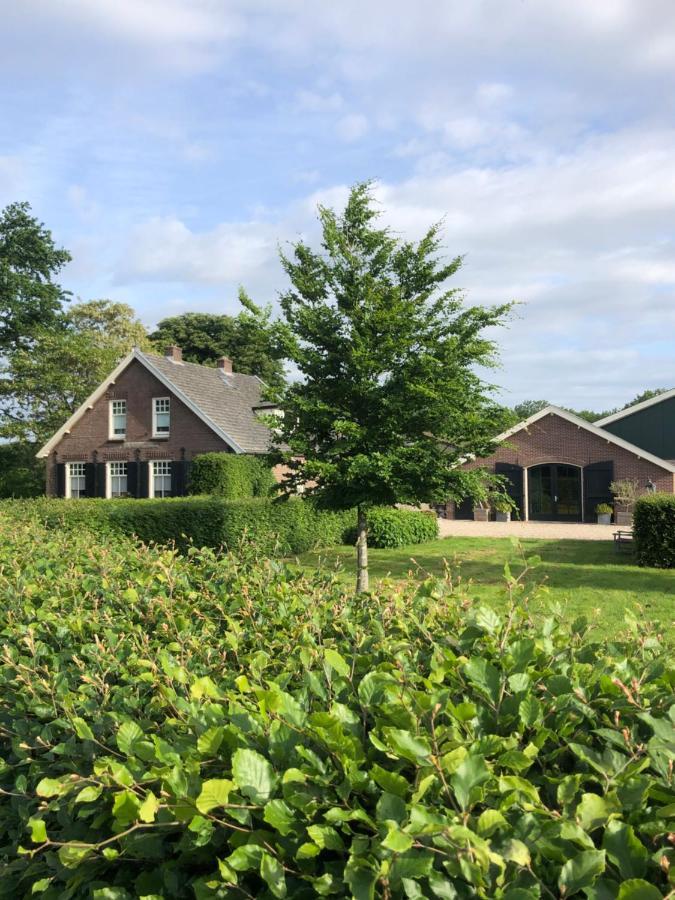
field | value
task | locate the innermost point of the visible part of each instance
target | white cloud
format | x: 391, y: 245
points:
x: 351, y: 127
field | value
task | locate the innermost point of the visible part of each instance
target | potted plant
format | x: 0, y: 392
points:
x: 625, y: 494
x: 503, y: 506
x: 481, y: 511
x: 604, y: 513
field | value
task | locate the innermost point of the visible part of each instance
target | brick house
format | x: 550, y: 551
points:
x: 138, y: 432
x: 559, y: 466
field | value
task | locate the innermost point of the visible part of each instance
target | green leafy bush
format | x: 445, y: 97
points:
x: 231, y: 476
x: 277, y: 528
x: 654, y: 530
x: 210, y: 726
x: 389, y: 527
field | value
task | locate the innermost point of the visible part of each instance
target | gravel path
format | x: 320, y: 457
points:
x: 556, y: 531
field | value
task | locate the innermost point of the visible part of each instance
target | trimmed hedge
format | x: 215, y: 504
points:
x: 230, y: 476
x: 389, y: 528
x: 278, y: 528
x: 654, y: 531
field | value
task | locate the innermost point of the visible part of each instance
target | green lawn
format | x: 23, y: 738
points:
x: 586, y: 577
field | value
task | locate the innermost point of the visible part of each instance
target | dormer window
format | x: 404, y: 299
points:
x: 161, y: 416
x: 118, y: 420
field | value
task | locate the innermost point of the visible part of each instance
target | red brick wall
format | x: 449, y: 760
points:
x: 89, y: 435
x: 553, y: 439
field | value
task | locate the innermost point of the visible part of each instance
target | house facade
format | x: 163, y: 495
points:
x: 138, y: 432
x: 559, y: 467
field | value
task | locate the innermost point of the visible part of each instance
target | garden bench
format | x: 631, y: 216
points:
x: 623, y: 538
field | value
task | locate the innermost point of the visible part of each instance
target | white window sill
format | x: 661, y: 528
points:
x: 117, y: 437
x: 161, y: 437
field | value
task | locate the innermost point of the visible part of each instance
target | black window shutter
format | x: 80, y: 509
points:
x: 133, y: 479
x: 89, y: 480
x: 60, y: 479
x: 100, y: 479
x: 514, y: 487
x: 178, y: 478
x: 597, y: 479
x: 144, y: 479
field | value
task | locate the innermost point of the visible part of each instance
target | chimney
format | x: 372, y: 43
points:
x: 175, y: 354
x: 225, y: 365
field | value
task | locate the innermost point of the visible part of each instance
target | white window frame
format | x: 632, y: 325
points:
x: 69, y: 493
x: 109, y: 477
x: 152, y: 474
x: 155, y: 401
x: 111, y: 419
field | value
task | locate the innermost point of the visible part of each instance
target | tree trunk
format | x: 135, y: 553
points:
x: 361, y: 553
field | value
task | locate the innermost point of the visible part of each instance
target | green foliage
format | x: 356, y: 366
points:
x: 390, y: 399
x: 29, y: 297
x: 214, y: 726
x: 250, y: 339
x: 389, y: 527
x: 21, y: 474
x: 45, y: 383
x: 231, y: 476
x: 604, y: 509
x: 654, y: 530
x: 279, y: 528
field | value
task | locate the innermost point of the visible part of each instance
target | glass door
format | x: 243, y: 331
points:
x: 554, y: 492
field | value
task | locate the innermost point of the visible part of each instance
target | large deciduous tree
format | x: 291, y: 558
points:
x: 42, y: 385
x: 30, y: 299
x: 390, y: 399
x: 249, y: 339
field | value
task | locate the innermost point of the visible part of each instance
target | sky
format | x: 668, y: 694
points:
x: 174, y: 145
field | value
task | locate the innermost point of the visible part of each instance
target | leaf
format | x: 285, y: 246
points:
x: 637, y: 889
x: 337, y: 662
x: 204, y: 687
x: 271, y: 871
x: 325, y: 837
x: 581, y: 871
x: 530, y: 711
x: 51, y: 787
x: 593, y: 811
x: 38, y: 831
x: 361, y: 879
x: 470, y: 775
x: 215, y: 792
x: 406, y: 745
x: 280, y: 816
x: 244, y: 858
x: 71, y: 855
x: 516, y: 851
x: 148, y: 808
x: 624, y: 849
x: 125, y: 807
x: 489, y: 821
x: 88, y: 794
x: 82, y: 730
x: 397, y: 841
x: 128, y: 736
x: 253, y: 775
x: 209, y: 742
x: 390, y: 781
x: 484, y: 676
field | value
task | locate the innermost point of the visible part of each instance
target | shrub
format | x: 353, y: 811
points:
x: 277, y: 528
x: 654, y: 530
x: 231, y: 476
x: 389, y: 527
x: 211, y: 726
x: 604, y: 509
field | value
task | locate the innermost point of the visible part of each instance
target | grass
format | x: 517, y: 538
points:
x: 586, y: 577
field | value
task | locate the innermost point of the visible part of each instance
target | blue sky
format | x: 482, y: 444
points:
x: 172, y: 145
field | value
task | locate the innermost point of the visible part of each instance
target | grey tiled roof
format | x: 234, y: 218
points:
x: 227, y: 400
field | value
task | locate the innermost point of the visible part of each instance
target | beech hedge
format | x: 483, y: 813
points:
x: 277, y: 528
x: 210, y: 726
x: 231, y: 476
x: 654, y: 531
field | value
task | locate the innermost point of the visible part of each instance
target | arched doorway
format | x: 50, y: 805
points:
x: 554, y: 493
